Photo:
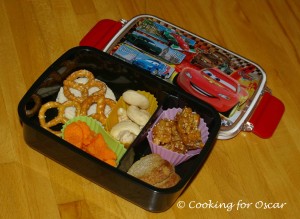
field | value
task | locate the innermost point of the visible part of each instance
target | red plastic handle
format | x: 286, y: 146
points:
x: 100, y: 35
x: 267, y: 116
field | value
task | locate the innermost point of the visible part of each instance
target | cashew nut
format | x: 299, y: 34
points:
x: 126, y: 125
x: 126, y: 137
x: 132, y: 97
x: 138, y: 115
x: 122, y: 114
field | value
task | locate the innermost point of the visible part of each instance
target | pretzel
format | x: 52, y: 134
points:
x: 37, y: 104
x: 81, y: 74
x: 82, y: 88
x: 101, y: 102
x: 60, y: 118
x: 99, y: 84
x: 71, y: 84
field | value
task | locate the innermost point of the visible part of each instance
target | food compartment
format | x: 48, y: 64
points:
x: 130, y: 114
x: 119, y: 77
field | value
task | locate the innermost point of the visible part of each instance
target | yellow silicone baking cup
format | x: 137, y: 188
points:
x: 113, y: 116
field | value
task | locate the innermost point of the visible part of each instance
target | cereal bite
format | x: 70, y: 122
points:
x: 178, y: 134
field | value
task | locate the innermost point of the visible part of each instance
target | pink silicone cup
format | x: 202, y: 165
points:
x: 171, y: 156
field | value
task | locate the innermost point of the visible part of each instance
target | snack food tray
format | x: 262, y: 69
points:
x: 119, y: 76
x: 247, y: 106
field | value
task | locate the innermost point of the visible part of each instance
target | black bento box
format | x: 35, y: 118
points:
x: 119, y: 76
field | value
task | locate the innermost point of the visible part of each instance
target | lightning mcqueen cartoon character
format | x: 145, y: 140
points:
x: 213, y: 86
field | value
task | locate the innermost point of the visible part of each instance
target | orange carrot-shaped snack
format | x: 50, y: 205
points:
x: 102, y: 151
x: 108, y: 154
x: 73, y: 134
x: 79, y: 134
x: 111, y: 162
x: 94, y: 148
x: 88, y: 134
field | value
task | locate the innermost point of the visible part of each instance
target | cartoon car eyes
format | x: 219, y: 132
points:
x: 212, y: 86
x: 223, y: 82
x: 207, y: 72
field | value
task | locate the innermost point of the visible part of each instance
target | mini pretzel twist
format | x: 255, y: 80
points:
x: 82, y: 88
x: 101, y: 102
x: 72, y: 84
x: 60, y: 118
x: 99, y: 84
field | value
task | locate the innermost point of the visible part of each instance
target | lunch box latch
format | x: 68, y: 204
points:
x: 266, y: 116
x: 248, y: 127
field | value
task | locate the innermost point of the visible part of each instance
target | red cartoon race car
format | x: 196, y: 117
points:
x: 213, y: 86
